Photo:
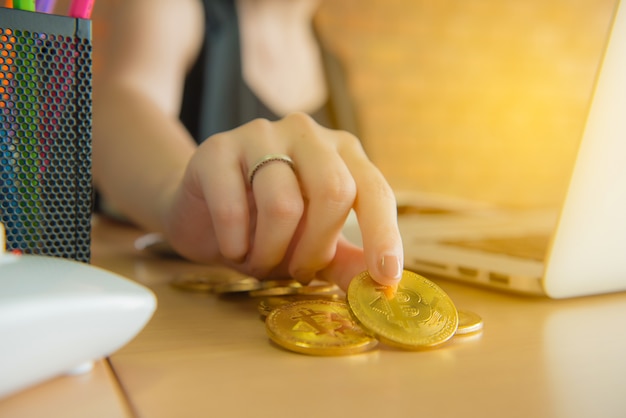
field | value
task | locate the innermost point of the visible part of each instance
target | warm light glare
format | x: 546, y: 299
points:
x: 480, y: 99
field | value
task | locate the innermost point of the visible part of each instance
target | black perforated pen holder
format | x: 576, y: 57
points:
x: 45, y: 133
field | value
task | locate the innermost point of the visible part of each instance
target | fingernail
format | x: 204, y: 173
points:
x: 390, y: 266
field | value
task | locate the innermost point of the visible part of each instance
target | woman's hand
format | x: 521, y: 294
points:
x: 288, y: 222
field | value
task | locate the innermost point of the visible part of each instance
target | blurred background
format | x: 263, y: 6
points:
x: 479, y: 99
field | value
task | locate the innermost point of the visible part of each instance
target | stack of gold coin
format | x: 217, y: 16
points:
x: 276, y: 288
x: 225, y: 281
x: 214, y: 281
x: 318, y: 319
x: 416, y: 315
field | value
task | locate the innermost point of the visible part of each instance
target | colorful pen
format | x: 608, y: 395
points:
x: 28, y: 5
x: 45, y: 6
x: 9, y: 4
x: 81, y: 8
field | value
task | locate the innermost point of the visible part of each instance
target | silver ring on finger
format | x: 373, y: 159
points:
x: 267, y: 159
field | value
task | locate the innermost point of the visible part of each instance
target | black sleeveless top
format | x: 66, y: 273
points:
x: 217, y: 99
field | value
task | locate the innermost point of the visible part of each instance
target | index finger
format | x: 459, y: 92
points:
x: 376, y: 211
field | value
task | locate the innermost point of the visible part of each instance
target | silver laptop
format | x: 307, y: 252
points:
x: 579, y: 249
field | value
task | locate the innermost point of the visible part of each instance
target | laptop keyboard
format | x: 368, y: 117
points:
x: 533, y: 247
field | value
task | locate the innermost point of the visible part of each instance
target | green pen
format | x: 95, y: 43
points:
x: 28, y: 5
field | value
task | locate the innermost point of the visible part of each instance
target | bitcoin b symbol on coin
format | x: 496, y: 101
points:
x: 329, y: 323
x: 406, y: 308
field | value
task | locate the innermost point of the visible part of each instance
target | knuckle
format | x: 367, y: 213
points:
x: 301, y: 119
x: 306, y: 127
x: 260, y: 126
x: 349, y: 141
x: 262, y: 130
x: 339, y: 191
x: 216, y: 144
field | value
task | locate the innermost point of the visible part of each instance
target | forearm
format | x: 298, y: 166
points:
x: 139, y: 152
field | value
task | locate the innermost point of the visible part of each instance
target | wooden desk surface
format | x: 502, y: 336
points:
x: 95, y: 395
x: 206, y: 356
x: 202, y: 355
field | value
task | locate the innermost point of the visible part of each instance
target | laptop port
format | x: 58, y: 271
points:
x: 499, y: 278
x: 425, y: 263
x: 467, y: 271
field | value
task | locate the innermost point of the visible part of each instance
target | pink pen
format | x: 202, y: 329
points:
x: 81, y: 8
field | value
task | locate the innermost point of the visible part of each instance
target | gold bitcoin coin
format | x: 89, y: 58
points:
x: 319, y: 327
x: 267, y: 284
x: 276, y: 288
x: 273, y: 291
x: 205, y: 281
x: 240, y: 285
x: 469, y: 322
x: 268, y: 304
x: 194, y: 282
x: 419, y: 314
x: 320, y: 288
